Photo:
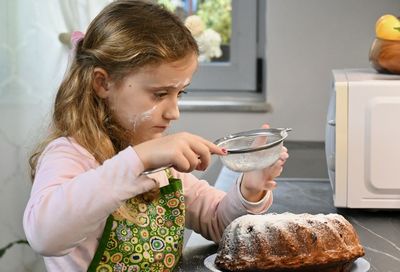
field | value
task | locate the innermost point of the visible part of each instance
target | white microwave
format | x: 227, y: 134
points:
x: 362, y: 141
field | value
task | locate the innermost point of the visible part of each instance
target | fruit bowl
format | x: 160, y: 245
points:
x: 384, y: 56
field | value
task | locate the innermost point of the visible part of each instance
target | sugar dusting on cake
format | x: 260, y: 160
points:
x: 281, y: 221
x: 243, y: 228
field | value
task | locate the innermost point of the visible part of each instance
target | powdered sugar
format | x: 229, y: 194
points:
x: 245, y: 225
x: 283, y: 236
x: 259, y: 222
x: 250, y: 161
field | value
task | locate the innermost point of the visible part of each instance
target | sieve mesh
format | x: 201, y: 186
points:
x: 252, y: 150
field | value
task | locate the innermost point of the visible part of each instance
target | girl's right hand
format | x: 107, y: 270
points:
x: 184, y: 151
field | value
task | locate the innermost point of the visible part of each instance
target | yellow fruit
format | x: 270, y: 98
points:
x: 387, y: 27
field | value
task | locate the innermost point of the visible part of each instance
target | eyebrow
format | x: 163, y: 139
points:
x: 168, y: 87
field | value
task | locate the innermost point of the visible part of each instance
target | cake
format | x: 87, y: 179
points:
x: 289, y: 242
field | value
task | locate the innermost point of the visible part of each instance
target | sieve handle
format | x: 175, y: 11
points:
x: 151, y: 171
x: 260, y: 131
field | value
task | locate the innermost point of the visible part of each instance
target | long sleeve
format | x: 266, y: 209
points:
x: 209, y: 210
x: 72, y: 195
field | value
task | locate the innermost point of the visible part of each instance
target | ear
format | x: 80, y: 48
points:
x: 101, y: 82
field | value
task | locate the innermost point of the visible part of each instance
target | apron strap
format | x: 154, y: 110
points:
x: 102, y: 245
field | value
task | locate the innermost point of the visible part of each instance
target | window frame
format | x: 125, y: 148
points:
x: 238, y: 85
x: 234, y: 74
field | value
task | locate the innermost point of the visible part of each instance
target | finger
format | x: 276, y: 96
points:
x: 201, y: 166
x: 147, y: 184
x: 270, y: 185
x: 275, y: 170
x: 204, y: 161
x: 265, y: 125
x: 193, y: 158
x: 201, y: 154
x: 201, y: 149
x: 261, y: 140
x: 258, y: 141
x: 284, y: 156
x: 213, y: 148
x: 278, y: 164
x: 181, y: 163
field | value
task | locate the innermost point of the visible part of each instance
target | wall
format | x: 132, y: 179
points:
x: 305, y: 40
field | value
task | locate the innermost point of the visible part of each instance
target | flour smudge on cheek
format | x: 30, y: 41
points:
x: 138, y: 119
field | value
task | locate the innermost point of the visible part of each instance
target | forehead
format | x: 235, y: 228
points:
x: 167, y: 72
x: 176, y: 66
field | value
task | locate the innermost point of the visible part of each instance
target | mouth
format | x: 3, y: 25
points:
x: 161, y: 128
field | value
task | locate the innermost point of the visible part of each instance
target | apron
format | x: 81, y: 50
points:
x: 153, y: 243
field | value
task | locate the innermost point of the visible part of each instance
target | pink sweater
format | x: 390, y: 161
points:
x: 73, y: 195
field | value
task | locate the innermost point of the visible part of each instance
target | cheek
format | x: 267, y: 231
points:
x: 130, y: 112
x: 147, y: 115
x: 137, y: 119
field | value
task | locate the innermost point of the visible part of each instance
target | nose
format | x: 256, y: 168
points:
x: 171, y: 111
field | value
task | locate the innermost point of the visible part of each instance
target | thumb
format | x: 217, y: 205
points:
x: 260, y: 140
x: 147, y: 184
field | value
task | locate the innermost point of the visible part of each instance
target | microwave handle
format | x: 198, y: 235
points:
x: 332, y: 123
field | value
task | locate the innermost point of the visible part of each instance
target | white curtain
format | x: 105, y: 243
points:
x: 32, y: 64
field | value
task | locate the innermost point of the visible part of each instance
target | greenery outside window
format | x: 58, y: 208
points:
x: 228, y: 37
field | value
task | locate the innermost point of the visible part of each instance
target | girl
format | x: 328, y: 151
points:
x: 91, y: 207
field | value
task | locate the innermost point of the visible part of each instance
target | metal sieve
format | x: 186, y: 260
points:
x: 248, y: 150
x: 252, y: 150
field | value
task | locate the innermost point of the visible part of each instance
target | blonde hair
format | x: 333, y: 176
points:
x: 125, y: 36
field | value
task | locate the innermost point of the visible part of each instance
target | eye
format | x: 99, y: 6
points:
x: 182, y: 93
x: 159, y: 95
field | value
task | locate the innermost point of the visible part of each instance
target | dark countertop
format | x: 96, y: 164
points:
x: 379, y: 230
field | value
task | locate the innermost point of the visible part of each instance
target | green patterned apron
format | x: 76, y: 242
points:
x: 153, y: 243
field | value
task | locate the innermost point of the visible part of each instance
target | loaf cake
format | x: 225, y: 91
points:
x: 289, y: 242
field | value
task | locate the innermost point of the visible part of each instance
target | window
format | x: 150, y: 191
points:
x: 231, y: 80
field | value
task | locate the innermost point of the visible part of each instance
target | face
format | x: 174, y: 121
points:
x: 146, y: 101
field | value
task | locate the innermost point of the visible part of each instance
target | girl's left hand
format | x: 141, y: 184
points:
x: 255, y: 183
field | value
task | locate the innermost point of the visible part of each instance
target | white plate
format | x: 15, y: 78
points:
x: 360, y: 265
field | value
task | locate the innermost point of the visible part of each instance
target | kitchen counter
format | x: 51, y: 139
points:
x: 379, y: 230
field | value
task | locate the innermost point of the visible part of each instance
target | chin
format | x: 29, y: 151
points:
x: 146, y: 138
x: 157, y: 135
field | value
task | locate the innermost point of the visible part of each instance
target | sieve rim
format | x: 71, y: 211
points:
x: 255, y: 132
